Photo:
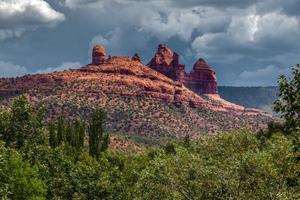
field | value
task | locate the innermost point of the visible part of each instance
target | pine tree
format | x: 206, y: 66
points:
x: 81, y: 134
x: 69, y: 133
x: 97, y: 140
x: 105, y: 142
x: 52, y: 135
x: 76, y: 134
x: 60, y: 131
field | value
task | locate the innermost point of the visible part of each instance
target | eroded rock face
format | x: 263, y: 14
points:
x: 136, y: 57
x: 99, y: 55
x: 166, y: 62
x: 202, y: 79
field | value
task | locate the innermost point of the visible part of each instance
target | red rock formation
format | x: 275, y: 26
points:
x: 99, y: 55
x: 202, y: 79
x: 136, y: 57
x: 166, y: 62
x: 121, y: 84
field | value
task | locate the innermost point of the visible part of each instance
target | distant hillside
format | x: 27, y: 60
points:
x: 137, y: 99
x: 255, y: 97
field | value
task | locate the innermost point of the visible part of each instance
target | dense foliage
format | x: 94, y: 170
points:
x: 64, y: 159
x: 288, y: 102
x: 237, y: 165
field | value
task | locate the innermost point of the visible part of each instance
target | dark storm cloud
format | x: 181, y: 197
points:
x: 248, y: 42
x: 216, y: 3
x: 192, y: 3
x: 288, y: 7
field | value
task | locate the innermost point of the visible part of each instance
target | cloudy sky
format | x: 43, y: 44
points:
x: 247, y: 42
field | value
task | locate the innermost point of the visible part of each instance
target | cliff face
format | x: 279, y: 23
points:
x: 202, y: 79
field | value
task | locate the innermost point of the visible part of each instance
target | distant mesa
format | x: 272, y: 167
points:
x: 202, y: 79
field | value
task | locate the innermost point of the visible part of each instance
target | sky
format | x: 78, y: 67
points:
x: 247, y: 42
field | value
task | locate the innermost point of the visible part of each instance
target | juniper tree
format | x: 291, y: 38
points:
x: 69, y: 133
x: 81, y: 134
x: 60, y: 130
x: 78, y: 134
x: 52, y: 135
x: 98, y: 141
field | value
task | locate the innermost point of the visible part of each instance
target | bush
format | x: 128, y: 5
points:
x: 19, y: 180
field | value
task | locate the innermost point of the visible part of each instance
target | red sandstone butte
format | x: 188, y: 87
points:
x: 99, y: 55
x: 202, y: 79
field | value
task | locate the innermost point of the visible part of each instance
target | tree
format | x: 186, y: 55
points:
x: 98, y: 141
x: 4, y: 122
x: 69, y: 131
x: 79, y: 128
x: 60, y: 130
x: 19, y: 180
x: 25, y: 124
x: 52, y: 135
x: 288, y: 102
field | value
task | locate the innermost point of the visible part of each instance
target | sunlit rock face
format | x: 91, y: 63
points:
x: 202, y: 79
x: 166, y: 62
x: 99, y: 55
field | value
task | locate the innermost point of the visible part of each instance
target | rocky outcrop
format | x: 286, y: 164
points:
x: 136, y: 57
x: 166, y: 62
x: 99, y: 55
x: 202, y: 79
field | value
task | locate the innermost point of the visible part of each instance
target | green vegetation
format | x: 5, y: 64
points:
x: 64, y: 159
x: 288, y: 102
x: 97, y: 140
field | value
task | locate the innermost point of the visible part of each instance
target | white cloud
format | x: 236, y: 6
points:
x: 165, y: 24
x: 17, y: 16
x: 241, y: 31
x: 8, y: 69
x: 110, y: 41
x: 75, y: 4
x: 267, y: 76
x: 111, y: 38
x: 63, y: 66
x: 251, y: 35
x: 277, y: 27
